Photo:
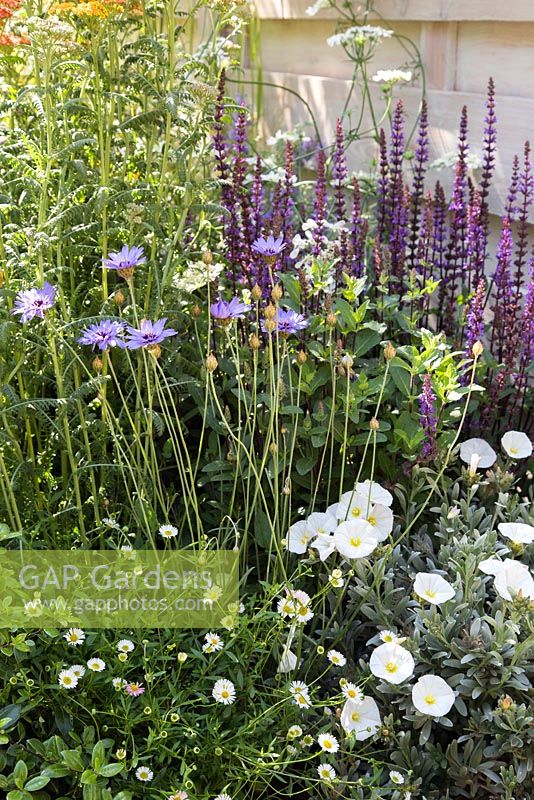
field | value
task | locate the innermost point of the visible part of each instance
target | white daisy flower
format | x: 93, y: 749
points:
x: 391, y: 638
x: 144, y: 774
x: 355, y: 539
x: 328, y: 743
x: 96, y: 664
x: 433, y: 696
x: 125, y: 646
x: 78, y: 669
x: 222, y: 796
x: 168, y: 531
x: 67, y: 679
x: 119, y: 683
x: 336, y: 658
x: 224, y: 692
x: 484, y: 455
x: 518, y: 532
x: 362, y: 718
x: 298, y: 687
x: 516, y: 444
x: 74, y: 636
x: 392, y: 663
x: 212, y: 643
x: 433, y: 588
x: 352, y: 692
x: 326, y: 772
x: 294, y: 732
x: 396, y: 777
x: 302, y: 700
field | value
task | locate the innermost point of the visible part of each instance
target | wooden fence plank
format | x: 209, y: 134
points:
x: 422, y: 10
x: 326, y: 97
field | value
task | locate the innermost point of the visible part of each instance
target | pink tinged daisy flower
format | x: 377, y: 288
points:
x: 148, y: 334
x: 125, y: 260
x: 361, y: 718
x: 326, y: 773
x: 224, y: 312
x: 328, y: 743
x: 134, y: 689
x: 392, y: 663
x: 74, y: 636
x: 433, y: 588
x: 433, y: 696
x: 224, y: 692
x: 34, y: 302
x: 144, y: 774
x: 103, y: 335
x: 178, y: 796
x: 355, y: 538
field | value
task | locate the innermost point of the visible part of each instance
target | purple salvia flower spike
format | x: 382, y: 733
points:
x: 488, y: 160
x: 339, y: 173
x: 429, y: 420
x: 420, y: 163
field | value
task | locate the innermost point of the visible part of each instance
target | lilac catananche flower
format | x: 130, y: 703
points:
x: 103, y: 335
x: 287, y: 322
x: 269, y: 247
x: 225, y: 312
x: 148, y: 334
x: 125, y: 260
x: 34, y: 302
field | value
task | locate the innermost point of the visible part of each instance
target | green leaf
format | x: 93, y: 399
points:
x: 20, y: 774
x: 108, y: 770
x: 305, y: 464
x: 39, y: 782
x: 56, y: 771
x: 98, y: 756
x: 365, y: 340
x: 401, y: 374
x: 18, y: 795
x: 73, y: 760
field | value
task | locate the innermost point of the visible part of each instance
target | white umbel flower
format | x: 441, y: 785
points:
x: 355, y: 539
x: 392, y: 76
x: 433, y: 696
x: 433, y: 588
x: 478, y: 449
x: 391, y: 663
x: 516, y: 444
x: 362, y: 718
x: 224, y: 692
x: 518, y: 532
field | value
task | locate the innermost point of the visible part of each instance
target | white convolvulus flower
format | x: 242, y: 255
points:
x: 224, y: 692
x: 432, y: 695
x: 78, y: 670
x: 288, y: 662
x: 511, y: 577
x: 352, y: 506
x: 392, y: 663
x: 125, y: 646
x: 298, y: 537
x: 392, y: 75
x: 477, y: 451
x: 336, y: 658
x: 74, y: 636
x: 518, y: 532
x: 374, y: 493
x: 96, y: 665
x: 352, y: 692
x: 390, y: 637
x: 516, y: 444
x: 326, y: 772
x: 67, y: 679
x: 144, y: 774
x: 396, y: 777
x: 212, y: 643
x: 380, y: 518
x: 433, y: 588
x: 453, y: 513
x: 168, y: 531
x: 362, y: 718
x: 328, y: 743
x: 355, y: 538
x: 325, y: 544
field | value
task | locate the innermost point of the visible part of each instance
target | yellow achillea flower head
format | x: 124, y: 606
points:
x: 99, y: 9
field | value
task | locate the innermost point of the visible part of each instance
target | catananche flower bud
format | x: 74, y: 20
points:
x: 154, y: 350
x: 301, y: 358
x: 389, y: 352
x: 207, y: 257
x: 269, y: 325
x: 255, y: 292
x: 273, y: 448
x: 97, y: 364
x: 270, y: 312
x: 374, y: 424
x: 196, y: 311
x: 478, y: 349
x: 277, y: 293
x: 331, y: 320
x: 211, y: 363
x: 119, y: 298
x: 254, y: 342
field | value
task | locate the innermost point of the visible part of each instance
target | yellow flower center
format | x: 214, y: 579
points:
x: 391, y: 666
x: 513, y: 450
x: 355, y: 716
x: 371, y: 521
x: 430, y: 699
x: 356, y: 541
x: 356, y: 512
x: 225, y: 693
x: 430, y: 593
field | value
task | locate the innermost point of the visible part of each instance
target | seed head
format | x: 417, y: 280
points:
x: 331, y: 320
x: 374, y: 424
x: 255, y: 292
x: 269, y: 325
x: 389, y: 352
x: 277, y: 293
x: 211, y: 363
x: 478, y: 349
x: 97, y: 364
x: 254, y: 342
x: 119, y: 298
x: 270, y: 312
x: 301, y: 357
x: 196, y: 311
x: 207, y: 257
